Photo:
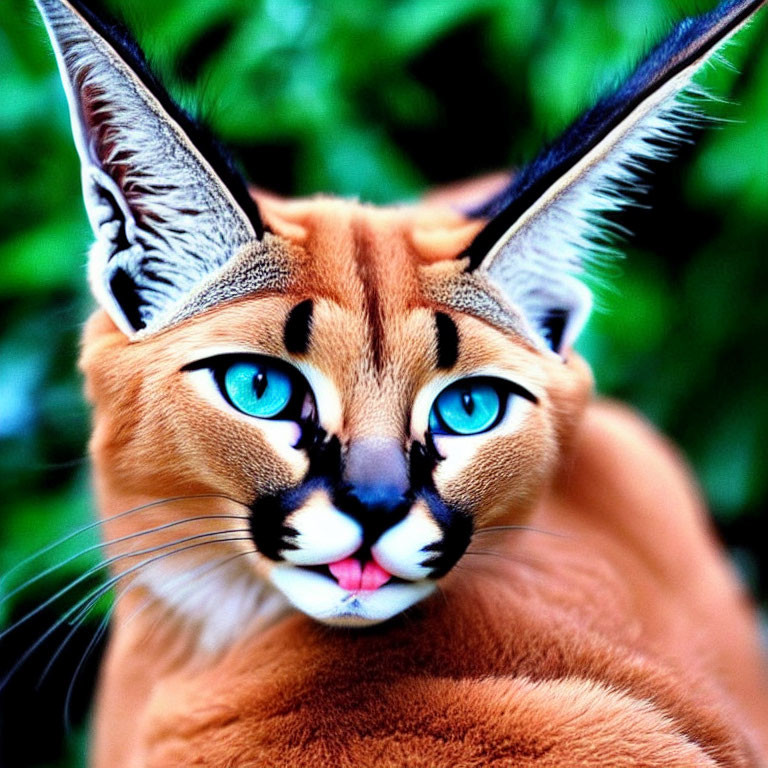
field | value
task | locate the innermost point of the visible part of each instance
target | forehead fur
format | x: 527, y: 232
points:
x: 379, y: 260
x: 345, y: 244
x: 375, y: 394
x: 387, y: 259
x: 378, y: 279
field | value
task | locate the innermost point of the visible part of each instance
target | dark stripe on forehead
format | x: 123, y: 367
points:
x: 298, y: 328
x: 447, y: 341
x: 365, y: 247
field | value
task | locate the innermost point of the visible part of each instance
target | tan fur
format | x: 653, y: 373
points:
x: 623, y: 639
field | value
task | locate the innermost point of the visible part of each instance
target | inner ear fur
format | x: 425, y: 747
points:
x: 164, y: 202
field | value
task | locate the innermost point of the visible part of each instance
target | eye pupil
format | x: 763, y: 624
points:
x: 260, y: 383
x: 468, y: 402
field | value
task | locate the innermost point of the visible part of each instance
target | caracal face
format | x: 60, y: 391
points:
x: 320, y: 395
x: 359, y: 497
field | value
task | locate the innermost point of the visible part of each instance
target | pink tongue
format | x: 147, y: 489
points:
x: 374, y: 576
x: 355, y: 577
x: 348, y: 573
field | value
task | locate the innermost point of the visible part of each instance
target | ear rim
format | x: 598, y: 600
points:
x: 546, y: 224
x: 117, y: 37
x: 511, y: 204
x: 87, y: 46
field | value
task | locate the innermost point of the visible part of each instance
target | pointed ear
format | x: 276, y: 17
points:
x: 166, y: 208
x: 545, y: 225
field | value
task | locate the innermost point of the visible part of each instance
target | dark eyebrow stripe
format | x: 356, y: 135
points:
x: 447, y: 341
x: 298, y: 328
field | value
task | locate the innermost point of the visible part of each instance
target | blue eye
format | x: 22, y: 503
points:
x: 467, y: 407
x: 257, y: 388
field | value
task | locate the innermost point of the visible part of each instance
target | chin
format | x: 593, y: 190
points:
x: 320, y: 597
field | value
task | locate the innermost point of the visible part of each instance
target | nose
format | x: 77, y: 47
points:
x: 376, y: 485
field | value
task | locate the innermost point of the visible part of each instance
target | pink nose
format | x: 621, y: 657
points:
x: 355, y: 576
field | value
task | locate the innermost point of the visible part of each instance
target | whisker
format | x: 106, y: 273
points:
x: 77, y: 625
x: 486, y: 552
x: 96, y: 568
x: 38, y: 576
x: 116, y: 578
x: 442, y: 593
x: 96, y: 523
x: 42, y: 466
x: 97, y: 594
x: 498, y: 528
x: 202, y: 570
x: 503, y: 556
x: 95, y: 640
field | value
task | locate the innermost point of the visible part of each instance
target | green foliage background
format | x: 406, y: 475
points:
x: 381, y: 99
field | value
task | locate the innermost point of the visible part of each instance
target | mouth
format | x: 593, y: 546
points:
x: 355, y: 574
x: 356, y: 591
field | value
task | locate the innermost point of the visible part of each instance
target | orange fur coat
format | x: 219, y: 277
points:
x: 626, y: 640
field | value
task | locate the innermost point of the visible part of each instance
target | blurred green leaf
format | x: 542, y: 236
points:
x: 379, y: 100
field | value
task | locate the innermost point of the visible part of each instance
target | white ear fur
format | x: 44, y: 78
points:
x: 546, y: 226
x: 163, y: 218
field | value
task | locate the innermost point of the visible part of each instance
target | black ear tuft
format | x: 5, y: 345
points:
x: 690, y: 41
x: 122, y: 41
x: 545, y: 227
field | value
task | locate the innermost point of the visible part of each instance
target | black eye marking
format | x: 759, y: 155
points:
x: 422, y: 461
x: 298, y: 328
x: 268, y: 519
x: 516, y: 389
x: 447, y: 341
